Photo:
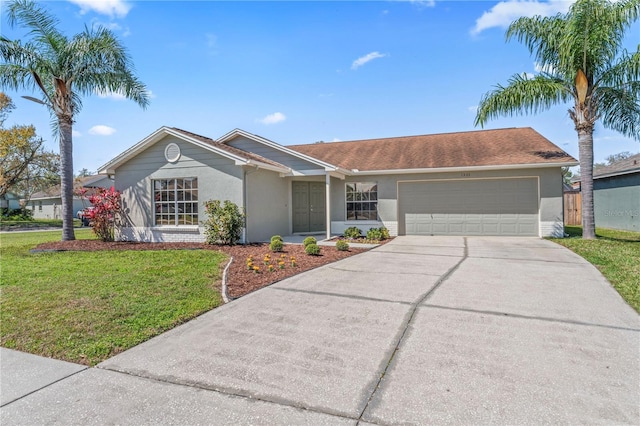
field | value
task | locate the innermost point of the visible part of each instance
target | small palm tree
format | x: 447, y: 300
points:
x: 62, y: 69
x: 583, y: 64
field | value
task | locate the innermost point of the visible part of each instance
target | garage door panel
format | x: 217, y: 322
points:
x: 469, y: 207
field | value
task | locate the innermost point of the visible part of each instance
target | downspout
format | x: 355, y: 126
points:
x: 328, y: 204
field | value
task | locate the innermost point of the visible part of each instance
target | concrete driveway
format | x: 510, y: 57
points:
x: 423, y: 330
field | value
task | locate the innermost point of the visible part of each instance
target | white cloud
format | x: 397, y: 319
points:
x: 76, y: 134
x: 473, y: 108
x: 101, y: 130
x: 116, y: 96
x: 423, y: 3
x: 274, y: 118
x: 119, y: 96
x: 528, y: 75
x: 336, y: 140
x: 112, y: 8
x: 505, y: 12
x: 366, y: 58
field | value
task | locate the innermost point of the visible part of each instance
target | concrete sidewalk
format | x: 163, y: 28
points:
x: 421, y: 330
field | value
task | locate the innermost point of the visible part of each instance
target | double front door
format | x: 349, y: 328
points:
x: 308, y: 206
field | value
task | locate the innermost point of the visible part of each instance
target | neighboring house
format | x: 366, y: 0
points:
x: 490, y: 182
x: 10, y: 201
x: 48, y: 204
x: 616, y: 194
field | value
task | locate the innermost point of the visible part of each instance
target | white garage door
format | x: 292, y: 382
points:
x: 469, y: 207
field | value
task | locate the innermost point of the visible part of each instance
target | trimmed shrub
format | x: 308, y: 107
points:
x: 309, y: 240
x: 224, y: 222
x: 378, y: 234
x: 276, y: 245
x: 342, y: 245
x: 312, y: 249
x: 385, y: 233
x: 352, y: 232
x: 277, y: 237
x: 106, y: 211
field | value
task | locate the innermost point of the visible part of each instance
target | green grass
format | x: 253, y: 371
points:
x: 615, y: 253
x: 85, y: 307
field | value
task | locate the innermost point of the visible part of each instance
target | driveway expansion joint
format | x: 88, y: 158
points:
x: 531, y: 317
x: 518, y: 259
x: 231, y: 392
x: 346, y: 296
x: 360, y: 271
x: 407, y: 323
x: 43, y: 387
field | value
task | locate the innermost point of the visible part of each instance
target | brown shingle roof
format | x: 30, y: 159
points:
x: 628, y: 165
x: 463, y: 149
x: 230, y: 149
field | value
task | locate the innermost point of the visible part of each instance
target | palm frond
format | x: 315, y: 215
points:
x: 625, y: 70
x: 42, y: 25
x: 523, y: 95
x: 541, y: 35
x: 101, y: 63
x: 620, y: 109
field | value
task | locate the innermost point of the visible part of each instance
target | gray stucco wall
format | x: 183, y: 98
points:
x: 272, y: 154
x: 267, y: 205
x: 218, y: 178
x: 616, y: 202
x: 550, y: 185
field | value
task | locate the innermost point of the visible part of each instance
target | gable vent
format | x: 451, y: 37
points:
x: 172, y: 153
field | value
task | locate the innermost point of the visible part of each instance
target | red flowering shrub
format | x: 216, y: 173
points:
x: 107, y: 207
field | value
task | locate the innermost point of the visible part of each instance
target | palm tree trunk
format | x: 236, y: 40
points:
x: 585, y: 147
x: 66, y: 177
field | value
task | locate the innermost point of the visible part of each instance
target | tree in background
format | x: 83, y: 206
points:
x: 583, y: 64
x: 62, y: 69
x: 84, y: 173
x: 25, y: 166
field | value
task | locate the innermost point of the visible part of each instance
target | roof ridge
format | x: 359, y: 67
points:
x: 413, y: 136
x: 195, y: 134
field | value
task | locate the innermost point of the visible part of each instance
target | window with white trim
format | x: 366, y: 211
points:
x: 175, y: 201
x: 362, y: 200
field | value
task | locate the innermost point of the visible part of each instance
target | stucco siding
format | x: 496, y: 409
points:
x: 272, y: 154
x: 218, y: 178
x: 616, y: 202
x: 267, y: 205
x: 550, y: 193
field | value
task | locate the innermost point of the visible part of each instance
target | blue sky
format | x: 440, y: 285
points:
x: 301, y: 72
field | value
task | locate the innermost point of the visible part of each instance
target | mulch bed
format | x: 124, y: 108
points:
x: 240, y: 280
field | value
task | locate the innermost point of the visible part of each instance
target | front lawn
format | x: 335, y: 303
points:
x: 615, y: 253
x: 85, y: 307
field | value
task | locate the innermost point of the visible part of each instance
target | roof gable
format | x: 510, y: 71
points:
x: 240, y: 157
x: 483, y: 148
x: 328, y: 166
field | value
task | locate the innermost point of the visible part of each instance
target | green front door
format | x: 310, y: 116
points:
x: 308, y: 206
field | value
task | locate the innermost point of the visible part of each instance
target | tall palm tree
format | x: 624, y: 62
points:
x: 62, y: 69
x: 583, y: 65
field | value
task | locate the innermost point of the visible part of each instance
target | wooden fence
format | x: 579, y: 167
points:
x: 573, y: 208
